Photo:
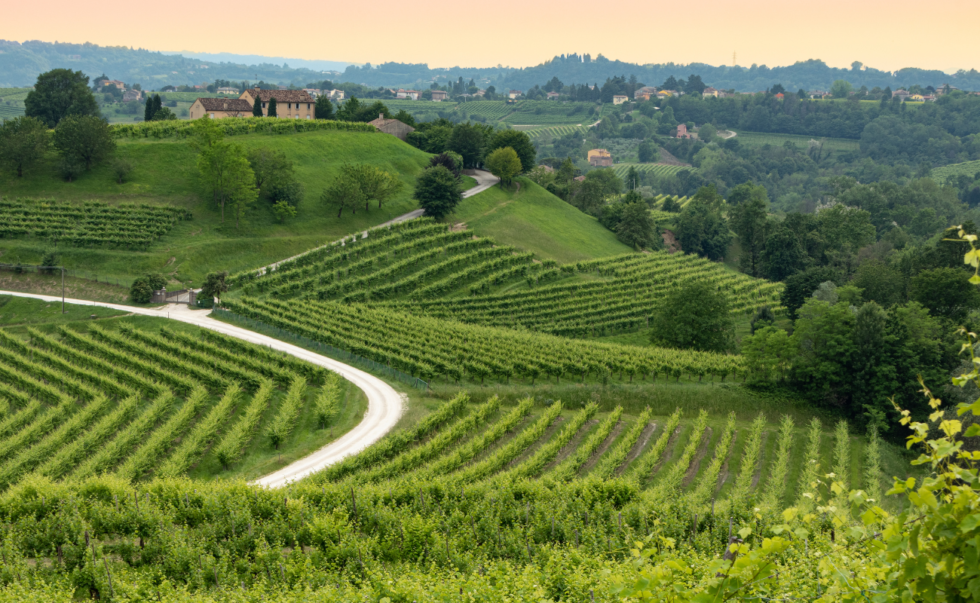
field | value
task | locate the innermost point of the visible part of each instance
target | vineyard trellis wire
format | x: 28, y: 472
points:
x: 327, y: 349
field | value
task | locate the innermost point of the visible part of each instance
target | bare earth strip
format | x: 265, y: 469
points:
x: 384, y: 403
x: 638, y: 447
x: 602, y: 448
x: 692, y: 471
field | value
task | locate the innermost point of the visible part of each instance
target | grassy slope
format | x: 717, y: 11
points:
x: 165, y: 172
x: 537, y: 221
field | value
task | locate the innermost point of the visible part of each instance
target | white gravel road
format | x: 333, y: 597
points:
x: 385, y: 405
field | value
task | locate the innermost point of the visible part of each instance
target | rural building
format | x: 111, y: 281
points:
x: 645, y: 93
x: 439, y: 95
x: 579, y: 178
x: 682, y: 131
x: 227, y: 90
x: 132, y: 95
x: 709, y: 91
x: 619, y: 99
x: 553, y: 95
x: 216, y: 108
x: 780, y: 96
x: 407, y: 94
x: 600, y: 158
x: 901, y: 94
x: 392, y: 126
x: 514, y: 94
x: 116, y: 83
x: 666, y: 94
x: 314, y: 94
x: 290, y: 104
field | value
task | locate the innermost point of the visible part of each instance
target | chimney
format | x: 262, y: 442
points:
x: 381, y: 116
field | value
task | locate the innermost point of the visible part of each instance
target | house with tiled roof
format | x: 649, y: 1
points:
x: 217, y: 108
x: 553, y: 95
x: 394, y: 127
x: 619, y: 99
x: 514, y: 94
x: 439, y: 95
x: 290, y: 104
x: 600, y: 158
x: 709, y: 91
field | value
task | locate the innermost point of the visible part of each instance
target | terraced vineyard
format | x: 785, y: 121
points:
x: 968, y: 168
x: 657, y: 169
x: 550, y: 113
x: 140, y: 403
x: 554, y: 131
x: 12, y: 102
x: 89, y: 224
x: 489, y: 110
x: 426, y: 269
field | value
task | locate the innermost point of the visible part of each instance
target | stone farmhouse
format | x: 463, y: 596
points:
x: 132, y: 95
x: 290, y: 104
x: 600, y: 158
x: 217, y: 108
x: 439, y: 95
x: 394, y: 127
x: 682, y: 131
x: 619, y: 99
x: 645, y: 93
x: 407, y: 94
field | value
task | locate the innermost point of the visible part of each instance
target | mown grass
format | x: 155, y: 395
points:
x: 535, y: 220
x: 18, y: 313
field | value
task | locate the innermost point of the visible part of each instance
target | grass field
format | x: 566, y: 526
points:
x: 829, y: 144
x: 536, y: 221
x: 165, y: 173
x: 968, y: 168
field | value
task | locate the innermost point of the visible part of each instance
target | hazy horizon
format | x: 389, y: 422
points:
x: 523, y: 35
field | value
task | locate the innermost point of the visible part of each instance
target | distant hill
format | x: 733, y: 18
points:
x: 255, y: 59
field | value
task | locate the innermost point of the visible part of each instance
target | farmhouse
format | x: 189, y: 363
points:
x: 290, y: 104
x: 682, y: 131
x: 407, y: 94
x: 116, y: 83
x: 645, y: 93
x: 227, y: 90
x: 439, y: 95
x: 394, y: 127
x: 314, y: 93
x: 709, y: 91
x: 600, y: 158
x: 619, y: 99
x: 216, y: 108
x: 513, y: 94
x: 901, y: 94
x: 132, y: 95
x: 666, y: 94
x: 553, y: 95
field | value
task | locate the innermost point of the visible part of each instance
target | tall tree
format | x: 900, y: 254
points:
x: 377, y: 185
x: 694, y: 316
x: 148, y: 109
x: 438, y: 192
x: 748, y: 219
x: 345, y: 190
x: 228, y: 178
x: 23, y: 141
x: 504, y: 164
x: 323, y: 109
x: 84, y: 139
x: 467, y: 140
x: 636, y: 228
x: 59, y: 93
x: 520, y: 142
x: 257, y: 107
x: 701, y: 228
x: 272, y: 107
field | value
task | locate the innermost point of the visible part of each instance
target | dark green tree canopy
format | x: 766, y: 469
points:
x: 438, y: 192
x: 695, y: 316
x: 84, y: 139
x: 701, y: 227
x: 517, y: 140
x: 23, y: 141
x: 58, y: 94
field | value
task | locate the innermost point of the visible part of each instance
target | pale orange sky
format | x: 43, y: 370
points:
x: 938, y: 34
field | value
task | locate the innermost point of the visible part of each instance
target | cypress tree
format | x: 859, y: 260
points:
x: 157, y: 104
x: 272, y: 107
x: 148, y: 111
x: 257, y: 108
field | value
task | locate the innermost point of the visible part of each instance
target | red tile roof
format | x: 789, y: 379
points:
x: 281, y: 96
x: 226, y: 104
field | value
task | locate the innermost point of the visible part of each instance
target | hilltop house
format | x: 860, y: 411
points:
x: 439, y: 95
x: 901, y: 94
x: 600, y: 158
x: 116, y: 83
x: 682, y: 131
x: 314, y: 93
x: 644, y: 93
x: 553, y: 95
x: 513, y: 94
x: 217, y: 108
x: 132, y: 95
x: 619, y: 99
x: 290, y: 104
x: 407, y: 94
x: 666, y: 94
x: 709, y: 91
x: 392, y: 126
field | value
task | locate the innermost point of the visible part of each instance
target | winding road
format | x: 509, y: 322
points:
x: 385, y: 405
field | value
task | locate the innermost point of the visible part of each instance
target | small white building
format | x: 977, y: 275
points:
x: 619, y: 99
x: 514, y: 94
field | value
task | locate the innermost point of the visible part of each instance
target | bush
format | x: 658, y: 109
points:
x: 70, y: 169
x: 141, y: 292
x: 121, y: 168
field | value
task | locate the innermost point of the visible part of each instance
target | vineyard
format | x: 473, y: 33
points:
x: 552, y: 131
x: 944, y: 173
x: 489, y: 110
x: 89, y: 224
x: 481, y: 501
x: 12, y: 102
x: 657, y: 169
x: 427, y: 269
x: 236, y: 126
x: 550, y: 113
x: 140, y: 403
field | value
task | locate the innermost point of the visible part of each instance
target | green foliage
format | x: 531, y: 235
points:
x: 58, y: 94
x: 519, y: 141
x: 748, y: 216
x: 283, y: 423
x: 504, y: 164
x: 701, y: 227
x: 142, y: 288
x: 323, y: 109
x: 226, y: 174
x: 23, y: 142
x: 437, y: 192
x: 694, y: 316
x: 164, y: 114
x: 636, y: 228
x: 84, y: 140
x: 945, y: 293
x: 327, y: 403
x: 257, y: 108
x: 272, y: 111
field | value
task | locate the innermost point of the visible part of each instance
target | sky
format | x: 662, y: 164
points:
x: 940, y: 34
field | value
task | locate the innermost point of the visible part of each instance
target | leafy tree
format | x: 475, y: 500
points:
x: 670, y: 205
x: 84, y: 140
x: 701, y: 228
x: 275, y: 176
x: 377, y: 185
x: 648, y: 152
x: 763, y: 317
x: 323, y: 108
x: 23, y: 142
x: 945, y: 293
x: 214, y: 285
x: 141, y: 291
x: 449, y: 160
x: 406, y: 118
x: 636, y: 228
x: 228, y: 178
x: 749, y: 220
x: 782, y: 255
x: 768, y: 353
x: 283, y: 210
x: 164, y: 114
x: 880, y: 283
x: 504, y: 164
x: 121, y: 168
x: 468, y: 141
x: 841, y: 89
x: 521, y: 144
x: 438, y: 192
x: 345, y: 190
x: 60, y: 93
x: 799, y: 287
x: 589, y: 196
x: 694, y: 316
x: 257, y: 108
x: 349, y: 111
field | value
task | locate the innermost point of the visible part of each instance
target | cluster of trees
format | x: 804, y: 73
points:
x: 473, y: 142
x: 439, y: 189
x: 358, y: 184
x: 155, y: 111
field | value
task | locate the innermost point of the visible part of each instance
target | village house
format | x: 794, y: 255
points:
x: 290, y: 104
x: 334, y: 94
x: 619, y: 99
x: 553, y: 95
x: 314, y: 93
x: 644, y: 93
x: 439, y: 95
x: 682, y: 131
x: 227, y: 90
x: 709, y: 91
x: 407, y: 94
x: 217, y: 108
x: 392, y: 126
x: 600, y: 158
x: 666, y: 93
x: 901, y: 94
x: 132, y: 95
x: 116, y: 83
x: 513, y: 94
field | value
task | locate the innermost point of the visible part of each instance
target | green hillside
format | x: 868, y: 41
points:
x: 967, y: 168
x: 165, y: 173
x: 536, y: 221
